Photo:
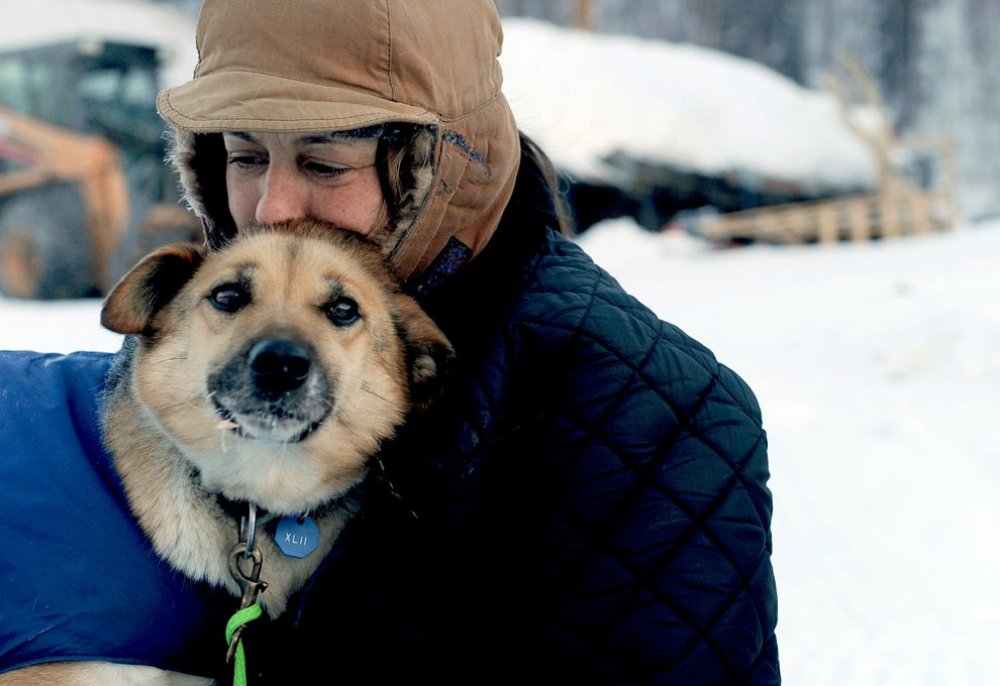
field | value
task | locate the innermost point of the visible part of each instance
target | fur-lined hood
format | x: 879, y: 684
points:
x: 331, y: 65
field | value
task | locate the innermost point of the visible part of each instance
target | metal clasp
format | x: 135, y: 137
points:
x: 246, y: 555
x: 249, y: 582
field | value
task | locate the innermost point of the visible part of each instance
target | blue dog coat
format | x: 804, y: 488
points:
x: 78, y: 579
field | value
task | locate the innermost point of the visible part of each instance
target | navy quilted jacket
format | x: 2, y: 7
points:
x: 586, y: 504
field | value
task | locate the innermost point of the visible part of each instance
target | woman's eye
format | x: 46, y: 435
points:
x: 246, y: 160
x: 343, y: 312
x: 229, y: 297
x: 323, y: 168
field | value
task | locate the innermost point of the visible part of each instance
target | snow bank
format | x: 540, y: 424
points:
x: 584, y: 95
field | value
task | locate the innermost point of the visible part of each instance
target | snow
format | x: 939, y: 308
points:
x: 583, y: 96
x: 877, y: 366
x: 33, y: 22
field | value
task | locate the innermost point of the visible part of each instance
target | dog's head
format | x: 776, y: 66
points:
x: 279, y: 363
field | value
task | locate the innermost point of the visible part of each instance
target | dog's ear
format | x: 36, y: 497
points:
x: 152, y: 283
x: 429, y: 353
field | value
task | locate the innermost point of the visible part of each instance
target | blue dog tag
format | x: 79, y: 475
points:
x: 297, y: 536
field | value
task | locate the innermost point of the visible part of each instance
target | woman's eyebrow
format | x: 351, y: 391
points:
x: 242, y: 135
x: 322, y: 138
x: 316, y: 138
x: 328, y: 137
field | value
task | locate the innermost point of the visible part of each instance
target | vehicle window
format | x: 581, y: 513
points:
x: 131, y: 87
x: 48, y: 94
x: 13, y: 84
x: 139, y: 88
x: 120, y: 103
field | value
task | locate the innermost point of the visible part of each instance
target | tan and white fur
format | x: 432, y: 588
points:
x: 190, y: 422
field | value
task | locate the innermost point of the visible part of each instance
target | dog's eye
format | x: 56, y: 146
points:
x: 229, y: 297
x: 343, y: 312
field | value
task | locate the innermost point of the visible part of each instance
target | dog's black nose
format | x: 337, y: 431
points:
x: 278, y: 365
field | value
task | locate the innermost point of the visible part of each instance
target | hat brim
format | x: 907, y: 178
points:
x: 246, y: 101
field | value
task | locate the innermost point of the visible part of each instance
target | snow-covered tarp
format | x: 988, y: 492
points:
x: 583, y: 96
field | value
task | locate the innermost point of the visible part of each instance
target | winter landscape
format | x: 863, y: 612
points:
x: 877, y: 364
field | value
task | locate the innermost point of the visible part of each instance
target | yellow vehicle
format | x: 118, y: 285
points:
x: 84, y: 191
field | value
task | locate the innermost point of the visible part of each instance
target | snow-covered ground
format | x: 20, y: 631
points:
x: 877, y: 365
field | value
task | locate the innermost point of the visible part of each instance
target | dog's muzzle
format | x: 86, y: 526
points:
x: 272, y: 390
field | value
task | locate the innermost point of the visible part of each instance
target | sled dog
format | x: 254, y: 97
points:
x: 264, y: 378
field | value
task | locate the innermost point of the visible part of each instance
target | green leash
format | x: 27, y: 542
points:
x: 242, y: 617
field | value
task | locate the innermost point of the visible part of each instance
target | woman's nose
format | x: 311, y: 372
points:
x: 283, y: 197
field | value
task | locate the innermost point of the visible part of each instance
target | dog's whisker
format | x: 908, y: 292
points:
x: 178, y: 358
x: 366, y: 389
x: 193, y: 403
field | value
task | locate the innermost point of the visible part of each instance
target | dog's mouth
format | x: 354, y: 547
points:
x: 271, y: 392
x: 268, y: 423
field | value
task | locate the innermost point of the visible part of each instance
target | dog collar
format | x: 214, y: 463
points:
x: 238, y: 509
x: 295, y: 536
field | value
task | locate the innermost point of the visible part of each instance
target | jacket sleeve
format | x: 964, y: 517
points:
x: 653, y: 550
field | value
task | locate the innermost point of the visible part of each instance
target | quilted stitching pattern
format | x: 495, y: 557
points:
x: 655, y: 547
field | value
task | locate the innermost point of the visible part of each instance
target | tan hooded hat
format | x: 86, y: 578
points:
x: 339, y: 65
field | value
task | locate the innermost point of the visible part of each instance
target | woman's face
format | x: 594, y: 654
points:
x: 274, y: 177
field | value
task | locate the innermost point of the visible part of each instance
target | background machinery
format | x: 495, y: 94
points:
x: 84, y: 191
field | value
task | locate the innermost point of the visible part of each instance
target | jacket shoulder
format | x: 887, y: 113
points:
x: 569, y: 305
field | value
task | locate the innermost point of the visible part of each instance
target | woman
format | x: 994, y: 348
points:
x: 588, y: 500
x: 587, y: 503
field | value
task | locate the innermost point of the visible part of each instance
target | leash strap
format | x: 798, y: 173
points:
x: 241, y: 618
